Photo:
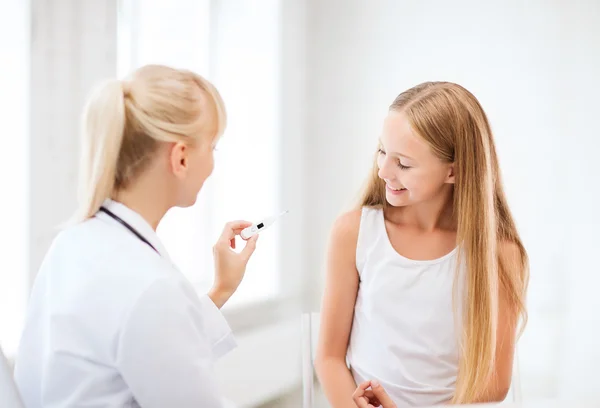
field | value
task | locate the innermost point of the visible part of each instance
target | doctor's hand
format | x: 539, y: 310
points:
x: 373, y: 397
x: 230, y: 265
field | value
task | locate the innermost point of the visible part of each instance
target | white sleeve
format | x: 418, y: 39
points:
x: 220, y: 335
x: 168, y: 345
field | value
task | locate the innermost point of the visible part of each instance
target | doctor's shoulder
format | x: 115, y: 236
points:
x: 93, y: 246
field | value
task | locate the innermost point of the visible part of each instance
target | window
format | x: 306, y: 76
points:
x: 14, y: 82
x: 234, y: 44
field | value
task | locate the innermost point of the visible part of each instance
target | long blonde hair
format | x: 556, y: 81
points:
x: 124, y: 122
x: 454, y: 124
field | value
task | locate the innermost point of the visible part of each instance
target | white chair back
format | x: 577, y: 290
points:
x: 310, y: 334
x: 9, y: 395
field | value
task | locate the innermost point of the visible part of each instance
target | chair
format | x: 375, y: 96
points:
x: 9, y: 395
x: 310, y: 332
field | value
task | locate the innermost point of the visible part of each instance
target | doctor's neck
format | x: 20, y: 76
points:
x: 148, y: 195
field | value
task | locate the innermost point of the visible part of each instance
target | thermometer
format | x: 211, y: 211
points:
x: 260, y: 226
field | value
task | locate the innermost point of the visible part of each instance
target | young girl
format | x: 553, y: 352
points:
x: 426, y: 280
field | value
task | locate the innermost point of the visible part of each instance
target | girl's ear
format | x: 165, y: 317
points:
x: 450, y: 178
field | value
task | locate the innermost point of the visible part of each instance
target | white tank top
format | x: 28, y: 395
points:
x: 404, y: 332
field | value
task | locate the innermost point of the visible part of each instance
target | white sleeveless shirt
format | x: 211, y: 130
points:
x: 404, y: 332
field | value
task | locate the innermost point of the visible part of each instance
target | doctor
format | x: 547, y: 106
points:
x: 111, y: 321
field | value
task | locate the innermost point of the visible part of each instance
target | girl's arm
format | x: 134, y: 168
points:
x: 506, y: 335
x: 338, y: 311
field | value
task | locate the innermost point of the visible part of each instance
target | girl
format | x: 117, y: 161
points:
x: 111, y: 321
x: 426, y: 279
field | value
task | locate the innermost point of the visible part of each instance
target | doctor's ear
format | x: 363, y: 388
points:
x: 178, y: 159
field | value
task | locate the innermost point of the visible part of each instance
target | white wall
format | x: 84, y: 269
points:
x: 533, y: 66
x: 73, y: 46
x: 14, y: 101
x: 581, y: 356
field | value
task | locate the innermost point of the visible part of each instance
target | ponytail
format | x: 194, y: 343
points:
x: 125, y: 122
x: 103, y: 128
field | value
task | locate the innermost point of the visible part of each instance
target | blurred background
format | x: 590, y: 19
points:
x: 307, y: 85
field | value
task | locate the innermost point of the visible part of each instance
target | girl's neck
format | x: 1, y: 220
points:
x: 435, y: 214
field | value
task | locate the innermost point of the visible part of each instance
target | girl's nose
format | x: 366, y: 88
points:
x: 385, y: 172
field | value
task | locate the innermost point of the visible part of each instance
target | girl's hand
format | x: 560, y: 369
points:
x: 230, y: 265
x: 373, y: 397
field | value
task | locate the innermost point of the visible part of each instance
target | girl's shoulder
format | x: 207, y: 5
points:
x: 354, y: 221
x: 355, y: 231
x: 347, y: 225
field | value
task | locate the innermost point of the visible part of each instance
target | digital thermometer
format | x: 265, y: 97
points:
x: 260, y: 226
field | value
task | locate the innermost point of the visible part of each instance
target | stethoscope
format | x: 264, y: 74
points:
x: 129, y: 227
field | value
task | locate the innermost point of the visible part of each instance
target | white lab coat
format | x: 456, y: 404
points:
x: 111, y: 323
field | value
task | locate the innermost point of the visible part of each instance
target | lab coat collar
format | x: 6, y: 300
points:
x: 138, y: 223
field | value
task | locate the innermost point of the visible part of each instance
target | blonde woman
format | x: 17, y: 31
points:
x: 112, y: 322
x: 427, y: 279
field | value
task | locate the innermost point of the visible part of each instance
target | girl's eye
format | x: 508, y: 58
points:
x: 403, y: 167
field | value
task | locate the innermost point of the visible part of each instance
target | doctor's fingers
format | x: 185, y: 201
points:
x: 249, y: 248
x: 232, y: 229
